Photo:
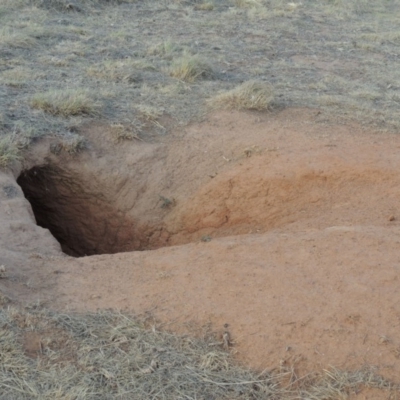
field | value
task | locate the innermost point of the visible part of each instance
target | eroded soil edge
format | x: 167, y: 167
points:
x: 313, y: 265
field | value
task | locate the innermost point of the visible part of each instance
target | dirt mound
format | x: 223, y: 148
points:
x: 293, y: 227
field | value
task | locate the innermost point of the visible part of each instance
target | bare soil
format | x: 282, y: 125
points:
x: 279, y: 228
x: 123, y: 187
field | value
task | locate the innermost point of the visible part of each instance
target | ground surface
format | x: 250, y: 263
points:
x: 116, y: 61
x: 280, y: 227
x: 310, y: 279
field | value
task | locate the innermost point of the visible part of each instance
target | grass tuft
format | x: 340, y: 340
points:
x: 24, y: 134
x: 190, y: 68
x: 73, y: 144
x: 247, y: 3
x: 65, y: 103
x: 9, y: 152
x: 122, y: 132
x: 16, y: 77
x: 118, y: 71
x: 205, y: 6
x: 149, y: 113
x: 250, y: 95
x: 15, y: 39
x: 164, y: 49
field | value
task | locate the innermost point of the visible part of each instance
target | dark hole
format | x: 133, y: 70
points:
x: 82, y: 220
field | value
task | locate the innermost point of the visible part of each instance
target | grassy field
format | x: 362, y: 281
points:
x: 63, y: 62
x: 128, y: 63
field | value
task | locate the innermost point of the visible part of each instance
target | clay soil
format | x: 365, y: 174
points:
x: 123, y: 186
x: 277, y: 227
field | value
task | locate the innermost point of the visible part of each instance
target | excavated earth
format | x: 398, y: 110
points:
x: 280, y: 228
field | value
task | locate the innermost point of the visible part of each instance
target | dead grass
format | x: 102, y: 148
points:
x: 122, y: 70
x: 166, y: 49
x: 66, y: 103
x: 149, y: 113
x: 251, y: 95
x: 123, y: 54
x: 121, y: 132
x: 72, y: 144
x: 367, y: 95
x: 12, y: 146
x: 9, y: 152
x: 190, y: 68
x: 16, y: 77
x: 105, y: 355
x: 247, y: 3
x: 10, y: 37
x: 205, y: 6
x: 24, y: 134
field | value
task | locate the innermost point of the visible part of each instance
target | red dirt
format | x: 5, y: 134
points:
x: 310, y: 277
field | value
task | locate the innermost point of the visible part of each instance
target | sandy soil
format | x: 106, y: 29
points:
x: 281, y: 229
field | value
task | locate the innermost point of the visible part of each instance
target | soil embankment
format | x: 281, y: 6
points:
x: 288, y: 231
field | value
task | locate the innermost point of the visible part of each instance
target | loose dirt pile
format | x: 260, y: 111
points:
x: 287, y: 228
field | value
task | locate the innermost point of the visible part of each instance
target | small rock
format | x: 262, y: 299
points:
x: 10, y: 191
x: 206, y: 238
x: 392, y: 218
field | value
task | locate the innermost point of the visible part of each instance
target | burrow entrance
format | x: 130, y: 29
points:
x: 80, y: 216
x: 91, y: 214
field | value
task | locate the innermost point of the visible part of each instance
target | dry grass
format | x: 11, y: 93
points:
x: 16, y: 77
x: 72, y: 143
x: 124, y: 70
x: 9, y: 152
x: 149, y: 113
x: 367, y: 95
x: 122, y: 132
x: 205, y: 6
x: 24, y: 134
x: 251, y: 95
x: 166, y: 49
x: 190, y: 68
x: 12, y: 146
x: 106, y: 355
x: 14, y: 38
x: 247, y: 3
x: 66, y: 103
x: 334, y: 55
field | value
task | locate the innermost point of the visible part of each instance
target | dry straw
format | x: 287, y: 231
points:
x: 9, y: 151
x: 250, y: 95
x: 190, y: 68
x: 109, y: 355
x: 65, y: 103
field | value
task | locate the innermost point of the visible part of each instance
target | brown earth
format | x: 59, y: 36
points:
x: 279, y: 225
